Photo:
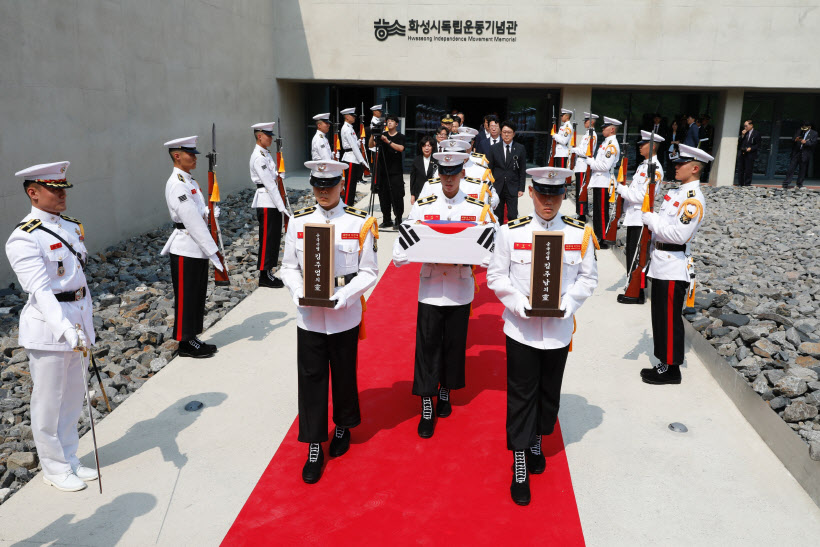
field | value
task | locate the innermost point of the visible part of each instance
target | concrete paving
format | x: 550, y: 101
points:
x: 173, y: 477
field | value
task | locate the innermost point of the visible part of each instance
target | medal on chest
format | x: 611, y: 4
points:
x: 60, y: 268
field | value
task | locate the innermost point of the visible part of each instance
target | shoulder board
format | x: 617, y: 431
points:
x: 31, y: 225
x: 303, y: 212
x: 433, y: 181
x: 690, y: 194
x: 356, y: 212
x: 473, y: 180
x: 70, y: 219
x: 474, y: 201
x: 427, y: 200
x: 573, y: 222
x: 518, y: 222
x: 181, y: 179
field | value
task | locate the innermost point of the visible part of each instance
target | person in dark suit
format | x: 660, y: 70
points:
x: 508, y: 163
x: 749, y: 144
x: 659, y: 127
x: 424, y: 167
x: 707, y: 143
x: 692, y: 132
x: 675, y: 138
x: 805, y: 139
x: 484, y: 139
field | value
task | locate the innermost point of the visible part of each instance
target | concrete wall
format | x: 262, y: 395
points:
x: 104, y: 83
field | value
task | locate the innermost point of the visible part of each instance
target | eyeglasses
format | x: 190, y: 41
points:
x: 507, y: 132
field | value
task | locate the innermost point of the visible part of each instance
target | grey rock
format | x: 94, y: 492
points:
x: 764, y: 348
x: 793, y: 337
x: 752, y: 333
x: 806, y: 374
x: 6, y: 479
x: 734, y: 319
x: 810, y: 348
x: 158, y: 364
x: 10, y: 403
x: 774, y: 375
x: 777, y: 318
x: 814, y: 386
x: 26, y: 460
x: 19, y: 357
x: 779, y: 403
x: 760, y: 385
x: 790, y: 386
x: 5, y: 493
x: 799, y: 412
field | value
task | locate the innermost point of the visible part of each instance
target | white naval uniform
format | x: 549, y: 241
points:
x: 319, y: 147
x: 263, y: 171
x: 56, y: 370
x: 562, y: 137
x: 469, y: 186
x: 601, y: 168
x: 509, y: 277
x: 351, y: 141
x: 580, y: 151
x: 186, y: 204
x: 634, y: 192
x: 481, y: 178
x: 347, y: 260
x: 444, y: 284
x: 670, y: 225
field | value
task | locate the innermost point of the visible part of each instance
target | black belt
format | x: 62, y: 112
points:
x: 179, y: 226
x: 74, y: 296
x: 342, y: 280
x: 260, y: 185
x: 347, y: 150
x: 670, y: 247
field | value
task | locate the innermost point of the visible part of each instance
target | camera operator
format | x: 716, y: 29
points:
x: 390, y: 179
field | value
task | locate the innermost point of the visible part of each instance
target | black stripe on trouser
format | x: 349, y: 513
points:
x: 391, y: 194
x: 600, y: 211
x: 270, y: 234
x: 194, y: 286
x: 319, y: 358
x: 580, y: 207
x: 354, y: 175
x: 667, y: 319
x: 534, y: 379
x: 441, y: 346
x: 633, y: 238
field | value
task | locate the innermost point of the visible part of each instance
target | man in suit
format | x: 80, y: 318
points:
x: 749, y: 144
x: 803, y: 145
x: 707, y: 143
x: 692, y: 132
x: 508, y: 162
x: 486, y: 137
x: 659, y: 128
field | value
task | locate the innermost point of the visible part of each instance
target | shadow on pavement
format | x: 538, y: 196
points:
x: 577, y: 417
x: 254, y: 328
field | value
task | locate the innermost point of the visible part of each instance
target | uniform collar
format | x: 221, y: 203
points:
x: 186, y: 176
x: 45, y: 216
x: 348, y: 124
x: 318, y: 132
x: 458, y: 198
x: 336, y: 212
x: 690, y: 185
x: 257, y: 147
x: 554, y: 224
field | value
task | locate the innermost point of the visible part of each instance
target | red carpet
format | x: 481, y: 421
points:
x: 393, y: 486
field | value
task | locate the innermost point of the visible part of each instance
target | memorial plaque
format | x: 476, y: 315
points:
x: 545, y: 278
x: 320, y: 249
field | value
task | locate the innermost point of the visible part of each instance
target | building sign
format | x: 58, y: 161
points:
x: 447, y: 30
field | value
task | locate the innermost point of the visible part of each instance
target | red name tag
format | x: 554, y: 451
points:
x: 572, y: 247
x: 56, y: 246
x: 472, y: 219
x: 666, y: 197
x: 474, y: 196
x: 523, y: 246
x: 193, y: 191
x: 350, y: 236
x: 676, y: 204
x: 432, y: 217
x: 300, y: 235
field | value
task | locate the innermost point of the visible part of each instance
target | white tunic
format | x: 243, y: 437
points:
x: 186, y: 204
x: 319, y: 147
x: 562, y: 138
x: 36, y: 259
x: 509, y: 277
x: 670, y: 225
x: 348, y: 224
x: 351, y: 142
x: 580, y: 151
x: 601, y: 168
x: 263, y: 171
x: 479, y: 178
x: 444, y: 284
x: 634, y: 192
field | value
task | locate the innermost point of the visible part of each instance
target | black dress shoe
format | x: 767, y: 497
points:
x: 312, y: 471
x: 268, y: 280
x: 208, y: 347
x: 192, y: 348
x: 427, y: 423
x: 340, y: 442
x: 624, y: 299
x: 603, y: 245
x: 443, y: 406
x: 652, y: 376
x: 386, y: 224
x: 520, y: 486
x: 536, y: 462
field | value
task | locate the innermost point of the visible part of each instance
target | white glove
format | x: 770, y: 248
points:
x: 216, y: 262
x: 216, y: 211
x: 649, y: 219
x: 400, y: 260
x: 296, y: 296
x: 521, y: 308
x: 75, y: 338
x: 340, y: 299
x: 569, y: 306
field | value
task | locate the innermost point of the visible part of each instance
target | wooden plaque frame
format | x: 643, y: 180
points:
x: 546, y: 274
x: 318, y: 267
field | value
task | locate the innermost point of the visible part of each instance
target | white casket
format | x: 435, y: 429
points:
x: 447, y: 241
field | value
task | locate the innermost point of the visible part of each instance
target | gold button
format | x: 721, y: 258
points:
x: 327, y: 221
x: 449, y: 206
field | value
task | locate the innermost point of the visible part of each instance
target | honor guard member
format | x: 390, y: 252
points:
x: 580, y: 152
x: 633, y: 195
x: 478, y: 173
x: 445, y: 295
x: 319, y: 147
x: 562, y: 138
x: 600, y: 176
x: 268, y: 204
x: 327, y: 339
x: 352, y: 155
x: 447, y: 122
x: 48, y: 255
x: 670, y: 267
x: 376, y: 125
x: 190, y: 246
x: 537, y: 347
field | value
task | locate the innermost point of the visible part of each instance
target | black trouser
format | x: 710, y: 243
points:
x: 270, y: 234
x: 511, y: 201
x: 803, y: 163
x: 441, y: 348
x: 561, y: 162
x: 600, y: 211
x: 746, y: 164
x: 633, y: 239
x: 190, y: 279
x: 534, y: 379
x: 320, y: 357
x: 580, y: 206
x: 391, y: 194
x: 667, y: 319
x: 352, y: 178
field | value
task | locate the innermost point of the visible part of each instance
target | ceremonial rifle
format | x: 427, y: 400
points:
x: 551, y: 163
x: 280, y: 174
x: 220, y: 277
x: 637, y: 277
x: 583, y: 193
x: 363, y: 142
x: 572, y: 144
x: 612, y: 230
